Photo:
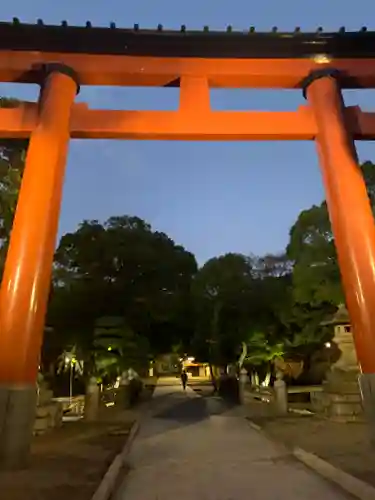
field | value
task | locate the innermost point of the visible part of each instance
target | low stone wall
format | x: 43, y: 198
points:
x: 48, y: 414
x: 319, y: 402
x: 338, y: 403
x: 48, y: 417
x: 338, y: 407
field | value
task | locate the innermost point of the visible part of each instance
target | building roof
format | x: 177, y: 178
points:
x: 160, y: 42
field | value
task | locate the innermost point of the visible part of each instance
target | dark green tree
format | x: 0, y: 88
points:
x: 316, y: 275
x: 223, y: 304
x: 117, y: 348
x: 122, y: 268
x: 12, y: 160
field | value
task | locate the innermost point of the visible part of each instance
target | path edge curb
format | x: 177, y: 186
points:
x: 350, y: 484
x: 356, y: 487
x: 109, y: 481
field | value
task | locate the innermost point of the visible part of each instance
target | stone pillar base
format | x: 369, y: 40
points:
x: 123, y: 397
x: 367, y: 387
x: 92, y: 401
x: 342, y: 397
x: 17, y: 416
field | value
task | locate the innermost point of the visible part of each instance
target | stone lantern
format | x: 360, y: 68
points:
x: 343, y: 338
x: 341, y: 399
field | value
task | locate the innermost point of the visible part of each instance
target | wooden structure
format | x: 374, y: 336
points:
x: 61, y: 58
x: 196, y: 369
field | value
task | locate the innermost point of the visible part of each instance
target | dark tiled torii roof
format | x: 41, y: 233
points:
x: 160, y: 42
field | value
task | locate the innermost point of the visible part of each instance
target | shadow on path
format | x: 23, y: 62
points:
x: 188, y: 411
x: 172, y: 409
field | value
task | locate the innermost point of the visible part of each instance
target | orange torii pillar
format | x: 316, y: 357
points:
x: 351, y: 218
x: 26, y: 281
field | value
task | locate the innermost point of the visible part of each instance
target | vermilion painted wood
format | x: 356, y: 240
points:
x: 196, y: 125
x: 27, y: 274
x: 148, y: 60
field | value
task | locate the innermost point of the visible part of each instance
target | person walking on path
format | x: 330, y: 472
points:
x: 184, y: 379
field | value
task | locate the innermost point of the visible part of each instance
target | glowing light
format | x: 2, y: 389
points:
x: 322, y: 59
x: 327, y: 345
x: 70, y: 360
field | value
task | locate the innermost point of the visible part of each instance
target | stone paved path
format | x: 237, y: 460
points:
x: 191, y: 448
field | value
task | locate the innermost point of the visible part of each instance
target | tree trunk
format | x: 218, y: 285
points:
x: 214, y: 331
x: 267, y: 380
x: 213, y: 378
x: 243, y: 356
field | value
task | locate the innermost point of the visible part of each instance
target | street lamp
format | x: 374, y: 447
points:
x: 71, y: 361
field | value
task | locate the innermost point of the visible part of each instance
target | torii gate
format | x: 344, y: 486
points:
x: 60, y: 58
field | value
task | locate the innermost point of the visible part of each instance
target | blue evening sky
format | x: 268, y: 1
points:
x: 211, y: 197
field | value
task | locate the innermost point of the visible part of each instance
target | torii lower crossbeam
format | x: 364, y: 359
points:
x: 179, y: 125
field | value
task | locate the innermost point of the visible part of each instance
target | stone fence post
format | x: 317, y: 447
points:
x: 281, y: 394
x: 243, y: 382
x: 92, y: 400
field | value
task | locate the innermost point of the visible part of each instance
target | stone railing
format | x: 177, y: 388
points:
x: 73, y: 406
x: 258, y: 393
x: 278, y: 395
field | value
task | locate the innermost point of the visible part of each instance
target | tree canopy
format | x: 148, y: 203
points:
x: 222, y: 292
x: 122, y: 268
